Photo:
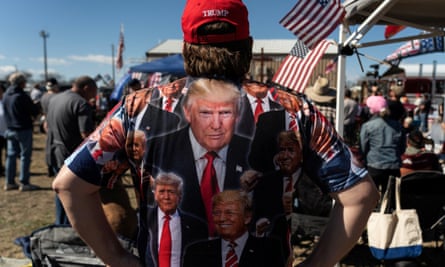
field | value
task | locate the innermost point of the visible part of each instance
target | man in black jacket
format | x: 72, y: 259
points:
x: 20, y: 112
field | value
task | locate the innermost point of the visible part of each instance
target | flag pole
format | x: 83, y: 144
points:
x: 113, y: 67
x: 120, y: 49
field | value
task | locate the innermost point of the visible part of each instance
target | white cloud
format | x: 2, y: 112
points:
x: 92, y: 58
x: 52, y: 61
x: 6, y: 70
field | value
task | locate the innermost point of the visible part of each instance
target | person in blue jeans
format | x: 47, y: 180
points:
x: 20, y: 112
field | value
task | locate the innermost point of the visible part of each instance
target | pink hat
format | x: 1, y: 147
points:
x: 199, y: 12
x: 376, y: 104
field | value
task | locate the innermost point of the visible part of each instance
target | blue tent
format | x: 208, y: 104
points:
x: 168, y: 65
x: 172, y: 64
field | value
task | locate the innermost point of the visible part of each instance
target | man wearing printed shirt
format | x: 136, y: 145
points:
x: 210, y: 43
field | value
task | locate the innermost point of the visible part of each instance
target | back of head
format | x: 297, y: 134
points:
x: 416, y: 139
x: 216, y: 39
x: 86, y: 87
x: 83, y: 81
x: 134, y: 83
x: 52, y: 85
x: 17, y: 78
x: 397, y: 90
x: 376, y: 105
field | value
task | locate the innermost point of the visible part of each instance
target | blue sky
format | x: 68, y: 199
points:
x: 82, y: 32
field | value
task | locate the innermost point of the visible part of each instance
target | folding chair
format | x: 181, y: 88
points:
x: 425, y: 192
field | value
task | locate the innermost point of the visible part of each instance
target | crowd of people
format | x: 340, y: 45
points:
x: 392, y: 134
x: 220, y: 167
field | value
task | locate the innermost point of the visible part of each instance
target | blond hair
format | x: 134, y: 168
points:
x: 213, y: 90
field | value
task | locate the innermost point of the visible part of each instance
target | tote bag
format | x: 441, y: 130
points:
x: 394, y: 235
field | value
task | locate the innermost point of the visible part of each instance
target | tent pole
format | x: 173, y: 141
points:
x: 366, y: 25
x: 341, y: 77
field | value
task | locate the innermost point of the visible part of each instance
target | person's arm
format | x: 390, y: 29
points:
x: 347, y: 222
x: 82, y: 204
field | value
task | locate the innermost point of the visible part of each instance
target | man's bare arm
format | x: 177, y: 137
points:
x: 347, y: 222
x: 82, y: 204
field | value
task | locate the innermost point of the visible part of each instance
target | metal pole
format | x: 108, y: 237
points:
x: 341, y: 81
x: 45, y: 35
x: 112, y: 63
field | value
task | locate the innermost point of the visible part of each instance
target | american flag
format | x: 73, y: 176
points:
x: 120, y: 50
x: 332, y: 64
x: 313, y: 20
x: 297, y: 67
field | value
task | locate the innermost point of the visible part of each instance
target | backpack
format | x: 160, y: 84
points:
x: 61, y: 246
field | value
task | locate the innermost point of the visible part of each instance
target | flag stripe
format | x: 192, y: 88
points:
x: 321, y: 31
x: 312, y: 61
x: 296, y: 69
x: 313, y: 20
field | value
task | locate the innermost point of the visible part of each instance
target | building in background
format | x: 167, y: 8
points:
x: 267, y: 57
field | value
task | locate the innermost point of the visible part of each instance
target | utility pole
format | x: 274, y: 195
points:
x: 112, y: 63
x: 45, y: 35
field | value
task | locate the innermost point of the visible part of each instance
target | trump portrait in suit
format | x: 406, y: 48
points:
x: 235, y: 246
x: 184, y: 228
x: 211, y: 107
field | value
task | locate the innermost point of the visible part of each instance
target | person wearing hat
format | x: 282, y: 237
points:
x: 217, y: 45
x: 382, y: 142
x: 416, y: 157
x: 323, y: 97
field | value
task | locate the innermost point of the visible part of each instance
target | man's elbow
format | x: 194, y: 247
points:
x: 59, y: 184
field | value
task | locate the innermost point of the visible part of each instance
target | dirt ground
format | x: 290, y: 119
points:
x: 23, y: 212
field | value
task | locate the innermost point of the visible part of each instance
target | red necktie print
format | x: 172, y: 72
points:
x: 169, y: 104
x: 293, y: 122
x: 258, y: 109
x: 231, y: 258
x: 209, y: 187
x: 289, y: 186
x: 165, y: 247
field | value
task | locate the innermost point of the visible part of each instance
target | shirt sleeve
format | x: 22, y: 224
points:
x: 101, y: 158
x: 85, y: 118
x: 335, y: 166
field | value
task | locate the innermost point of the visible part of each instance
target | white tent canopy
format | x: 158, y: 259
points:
x: 425, y: 15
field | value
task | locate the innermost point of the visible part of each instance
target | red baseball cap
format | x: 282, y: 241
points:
x: 200, y: 12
